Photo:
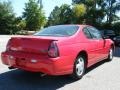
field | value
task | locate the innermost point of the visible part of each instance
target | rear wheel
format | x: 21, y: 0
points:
x: 110, y: 56
x: 79, y: 68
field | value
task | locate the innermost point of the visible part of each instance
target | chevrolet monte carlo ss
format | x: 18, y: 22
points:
x: 58, y: 50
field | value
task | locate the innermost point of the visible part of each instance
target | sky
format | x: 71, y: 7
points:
x: 48, y: 5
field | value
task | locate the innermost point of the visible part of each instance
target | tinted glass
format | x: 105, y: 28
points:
x: 87, y: 34
x: 95, y: 33
x: 102, y: 32
x: 60, y: 30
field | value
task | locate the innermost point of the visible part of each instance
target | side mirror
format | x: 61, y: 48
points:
x: 106, y: 37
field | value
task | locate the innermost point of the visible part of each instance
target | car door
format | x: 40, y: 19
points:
x: 99, y: 42
x: 90, y: 46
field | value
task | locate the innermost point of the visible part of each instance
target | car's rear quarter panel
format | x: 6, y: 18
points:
x: 70, y: 48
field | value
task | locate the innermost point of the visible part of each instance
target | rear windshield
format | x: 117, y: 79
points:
x: 58, y: 31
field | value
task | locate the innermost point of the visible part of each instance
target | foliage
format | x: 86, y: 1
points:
x: 34, y: 16
x: 82, y: 12
x: 116, y: 27
x: 8, y: 21
x: 79, y: 11
x: 78, y: 1
x: 65, y: 14
x: 54, y: 19
x: 97, y: 10
x: 60, y: 15
x: 112, y: 6
x: 22, y: 24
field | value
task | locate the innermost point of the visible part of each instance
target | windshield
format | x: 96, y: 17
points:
x: 59, y: 31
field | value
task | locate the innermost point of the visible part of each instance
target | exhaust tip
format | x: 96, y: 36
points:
x: 11, y: 67
x: 42, y: 74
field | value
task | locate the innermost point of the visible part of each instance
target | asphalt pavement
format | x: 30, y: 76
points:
x: 102, y: 76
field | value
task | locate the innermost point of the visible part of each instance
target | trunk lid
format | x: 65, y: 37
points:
x: 30, y: 44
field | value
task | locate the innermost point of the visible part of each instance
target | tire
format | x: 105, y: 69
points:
x: 110, y: 56
x: 79, y: 68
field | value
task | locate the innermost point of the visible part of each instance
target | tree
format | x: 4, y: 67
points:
x: 22, y: 24
x: 112, y: 6
x: 79, y: 11
x: 40, y: 3
x: 60, y: 15
x: 65, y: 14
x: 116, y: 27
x: 8, y: 21
x: 34, y: 16
x: 95, y: 10
x: 54, y: 18
x: 78, y: 1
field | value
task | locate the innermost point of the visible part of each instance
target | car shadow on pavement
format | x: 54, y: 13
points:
x: 117, y: 52
x: 21, y: 80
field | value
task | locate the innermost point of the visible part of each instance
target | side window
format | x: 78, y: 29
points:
x: 87, y: 34
x: 95, y: 33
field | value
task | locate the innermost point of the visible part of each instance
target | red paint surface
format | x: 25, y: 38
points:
x: 27, y: 48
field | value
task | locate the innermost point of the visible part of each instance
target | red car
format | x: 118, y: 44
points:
x: 58, y: 50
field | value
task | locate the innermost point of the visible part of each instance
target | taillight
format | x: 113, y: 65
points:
x: 8, y: 45
x: 53, y: 50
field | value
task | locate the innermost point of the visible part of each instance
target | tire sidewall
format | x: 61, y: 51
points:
x: 109, y: 56
x: 75, y: 75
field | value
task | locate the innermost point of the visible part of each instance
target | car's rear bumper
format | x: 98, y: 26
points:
x: 51, y: 66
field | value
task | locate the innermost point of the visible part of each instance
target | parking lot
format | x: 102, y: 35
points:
x: 102, y: 76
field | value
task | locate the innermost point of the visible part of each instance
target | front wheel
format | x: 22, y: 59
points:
x: 110, y: 56
x: 79, y: 68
